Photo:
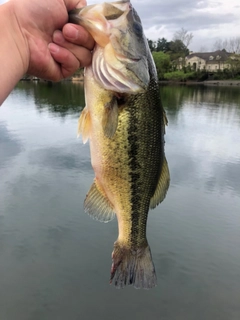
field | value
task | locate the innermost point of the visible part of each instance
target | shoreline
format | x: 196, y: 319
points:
x: 205, y: 83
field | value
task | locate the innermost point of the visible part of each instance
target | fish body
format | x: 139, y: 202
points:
x: 125, y: 123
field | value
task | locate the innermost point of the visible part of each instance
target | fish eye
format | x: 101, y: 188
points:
x: 137, y: 28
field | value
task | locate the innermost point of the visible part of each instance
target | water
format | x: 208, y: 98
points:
x: 55, y: 260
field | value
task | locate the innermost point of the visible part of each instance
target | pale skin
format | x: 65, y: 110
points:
x: 35, y: 38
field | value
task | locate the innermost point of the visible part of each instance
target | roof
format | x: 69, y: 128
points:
x: 219, y: 55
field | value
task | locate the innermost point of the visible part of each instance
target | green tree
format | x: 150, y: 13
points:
x: 178, y: 47
x: 152, y: 45
x: 162, y: 62
x: 234, y: 64
x: 178, y: 51
x: 162, y: 45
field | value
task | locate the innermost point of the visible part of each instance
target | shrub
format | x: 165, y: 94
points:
x: 178, y: 76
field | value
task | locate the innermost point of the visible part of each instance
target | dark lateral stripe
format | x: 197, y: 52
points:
x: 138, y: 218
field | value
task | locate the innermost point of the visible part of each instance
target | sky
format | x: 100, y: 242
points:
x: 207, y: 20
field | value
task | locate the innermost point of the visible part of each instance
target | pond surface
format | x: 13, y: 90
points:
x: 55, y: 260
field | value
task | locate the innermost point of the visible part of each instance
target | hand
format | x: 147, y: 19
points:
x: 50, y: 53
x: 78, y: 45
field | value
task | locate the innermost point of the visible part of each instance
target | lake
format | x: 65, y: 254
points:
x: 55, y: 260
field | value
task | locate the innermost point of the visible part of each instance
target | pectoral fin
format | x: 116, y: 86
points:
x: 162, y: 186
x: 84, y: 125
x: 97, y: 204
x: 110, y: 118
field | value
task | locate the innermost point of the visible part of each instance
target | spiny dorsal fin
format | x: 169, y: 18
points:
x: 162, y: 186
x: 84, y: 125
x: 110, y: 118
x: 97, y: 204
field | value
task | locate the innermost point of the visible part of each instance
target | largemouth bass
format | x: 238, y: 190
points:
x: 125, y: 123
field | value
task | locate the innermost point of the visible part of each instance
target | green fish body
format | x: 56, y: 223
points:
x: 125, y: 123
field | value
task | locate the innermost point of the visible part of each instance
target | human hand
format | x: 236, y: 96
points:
x: 49, y: 53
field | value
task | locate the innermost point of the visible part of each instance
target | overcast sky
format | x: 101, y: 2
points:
x: 207, y: 20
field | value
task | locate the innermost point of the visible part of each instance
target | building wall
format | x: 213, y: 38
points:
x: 205, y: 64
x: 196, y: 63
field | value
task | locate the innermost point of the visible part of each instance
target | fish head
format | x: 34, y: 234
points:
x: 120, y: 60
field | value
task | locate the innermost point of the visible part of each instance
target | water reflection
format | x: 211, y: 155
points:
x: 204, y: 123
x: 10, y: 146
x: 61, y: 99
x: 58, y: 158
x: 201, y: 155
x: 174, y: 96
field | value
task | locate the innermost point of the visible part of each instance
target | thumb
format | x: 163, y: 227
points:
x: 71, y: 4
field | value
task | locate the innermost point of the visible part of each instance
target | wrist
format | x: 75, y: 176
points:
x: 16, y: 38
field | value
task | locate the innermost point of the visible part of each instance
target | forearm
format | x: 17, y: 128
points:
x: 13, y: 51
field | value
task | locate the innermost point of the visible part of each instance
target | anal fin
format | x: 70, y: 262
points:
x: 97, y: 204
x: 162, y: 186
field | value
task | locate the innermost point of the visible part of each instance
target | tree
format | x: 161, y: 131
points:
x: 152, y: 45
x: 162, y: 62
x: 162, y: 45
x: 230, y: 45
x: 234, y: 45
x: 234, y: 64
x: 178, y: 51
x: 178, y: 47
x: 184, y: 36
x: 220, y: 44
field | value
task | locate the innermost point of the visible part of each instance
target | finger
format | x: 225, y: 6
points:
x: 78, y: 35
x: 68, y: 62
x: 71, y: 4
x: 82, y: 54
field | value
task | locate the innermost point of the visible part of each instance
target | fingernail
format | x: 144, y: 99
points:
x: 53, y: 48
x: 71, y: 32
x: 58, y: 37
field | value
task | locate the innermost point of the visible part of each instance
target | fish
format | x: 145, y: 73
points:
x: 124, y: 121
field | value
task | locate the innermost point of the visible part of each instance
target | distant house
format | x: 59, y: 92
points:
x: 210, y: 61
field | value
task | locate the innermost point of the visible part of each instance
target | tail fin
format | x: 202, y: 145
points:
x: 133, y: 267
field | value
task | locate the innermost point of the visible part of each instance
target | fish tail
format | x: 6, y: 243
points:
x: 133, y: 267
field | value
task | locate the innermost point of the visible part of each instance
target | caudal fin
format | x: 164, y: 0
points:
x: 133, y: 267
